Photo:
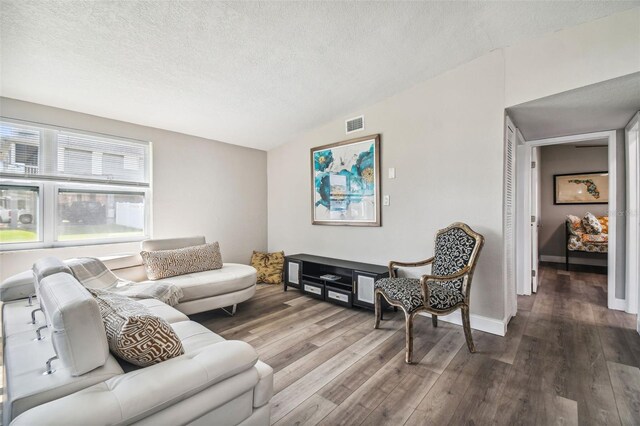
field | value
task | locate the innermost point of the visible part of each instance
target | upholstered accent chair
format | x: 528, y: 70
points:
x: 443, y: 291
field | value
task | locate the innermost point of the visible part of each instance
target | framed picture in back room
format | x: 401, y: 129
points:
x: 581, y: 188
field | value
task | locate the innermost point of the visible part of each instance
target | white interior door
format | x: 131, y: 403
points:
x: 632, y: 143
x: 535, y: 216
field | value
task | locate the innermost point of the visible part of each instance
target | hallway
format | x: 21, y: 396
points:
x: 574, y: 353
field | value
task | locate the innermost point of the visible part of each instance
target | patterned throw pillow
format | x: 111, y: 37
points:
x: 135, y: 334
x: 170, y: 263
x: 604, y: 221
x: 591, y: 224
x: 575, y: 224
x: 269, y: 266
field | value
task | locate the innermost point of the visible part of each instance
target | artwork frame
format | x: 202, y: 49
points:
x: 353, y: 168
x: 581, y: 188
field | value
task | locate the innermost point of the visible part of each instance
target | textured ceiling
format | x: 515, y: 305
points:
x: 604, y: 106
x: 251, y: 73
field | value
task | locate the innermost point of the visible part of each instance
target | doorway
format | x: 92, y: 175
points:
x: 529, y: 208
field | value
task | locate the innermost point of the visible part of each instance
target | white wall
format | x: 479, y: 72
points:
x: 200, y: 186
x: 445, y: 138
x: 441, y: 136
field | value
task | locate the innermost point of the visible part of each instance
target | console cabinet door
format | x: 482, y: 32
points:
x: 292, y: 273
x: 363, y: 289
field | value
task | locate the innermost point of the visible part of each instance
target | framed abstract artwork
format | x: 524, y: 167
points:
x: 581, y: 188
x: 345, y: 183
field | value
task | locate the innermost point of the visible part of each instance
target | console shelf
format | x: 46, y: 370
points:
x: 353, y: 287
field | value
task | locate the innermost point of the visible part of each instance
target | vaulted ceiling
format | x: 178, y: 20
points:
x: 251, y: 73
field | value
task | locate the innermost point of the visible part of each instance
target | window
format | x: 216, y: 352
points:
x: 92, y: 215
x: 19, y: 214
x: 64, y: 187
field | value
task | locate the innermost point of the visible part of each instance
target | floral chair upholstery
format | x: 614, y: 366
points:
x: 591, y: 239
x: 443, y: 291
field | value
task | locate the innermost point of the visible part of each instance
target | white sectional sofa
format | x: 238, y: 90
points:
x: 203, y: 291
x: 215, y: 382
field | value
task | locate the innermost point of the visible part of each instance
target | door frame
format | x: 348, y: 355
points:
x: 535, y: 215
x: 632, y: 272
x: 523, y: 221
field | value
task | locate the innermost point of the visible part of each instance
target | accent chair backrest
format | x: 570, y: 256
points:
x: 456, y: 246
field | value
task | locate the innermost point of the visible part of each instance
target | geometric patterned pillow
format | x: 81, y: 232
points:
x: 170, y: 263
x: 269, y: 266
x: 134, y: 333
x: 591, y: 224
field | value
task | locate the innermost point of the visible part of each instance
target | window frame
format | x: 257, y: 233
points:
x: 40, y: 218
x: 48, y: 188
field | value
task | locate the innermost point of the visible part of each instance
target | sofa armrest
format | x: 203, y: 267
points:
x: 133, y: 396
x: 263, y: 391
x: 18, y: 286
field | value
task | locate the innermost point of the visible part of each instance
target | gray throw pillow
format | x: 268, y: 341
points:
x: 170, y: 263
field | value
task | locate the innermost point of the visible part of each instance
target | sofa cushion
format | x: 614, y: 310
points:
x: 73, y: 317
x: 27, y: 387
x: 134, y: 333
x: 162, y: 310
x: 230, y: 278
x: 136, y: 396
x: 18, y: 286
x: 194, y: 336
x: 170, y: 263
x: 269, y: 266
x: 591, y: 224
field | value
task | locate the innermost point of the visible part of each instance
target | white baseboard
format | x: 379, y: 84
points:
x: 618, y: 304
x: 573, y: 260
x: 478, y: 322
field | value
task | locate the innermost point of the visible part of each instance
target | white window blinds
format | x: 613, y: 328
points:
x: 19, y: 149
x: 65, y: 155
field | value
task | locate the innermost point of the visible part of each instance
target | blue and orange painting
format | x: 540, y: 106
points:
x: 345, y: 182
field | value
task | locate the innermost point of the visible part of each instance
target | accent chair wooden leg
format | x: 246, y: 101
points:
x: 434, y: 320
x: 409, y: 337
x: 378, y: 309
x: 467, y: 329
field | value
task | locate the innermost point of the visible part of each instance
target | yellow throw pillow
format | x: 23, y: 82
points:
x: 269, y: 266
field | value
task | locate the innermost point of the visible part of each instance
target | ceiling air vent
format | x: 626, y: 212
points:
x: 354, y: 124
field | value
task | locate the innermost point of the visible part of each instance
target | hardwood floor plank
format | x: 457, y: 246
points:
x: 359, y: 404
x: 289, y: 398
x: 398, y: 406
x: 480, y: 402
x: 302, y: 366
x: 272, y: 349
x: 440, y: 403
x: 309, y: 413
x: 505, y: 348
x: 625, y: 380
x: 438, y: 358
x: 344, y: 385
